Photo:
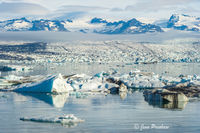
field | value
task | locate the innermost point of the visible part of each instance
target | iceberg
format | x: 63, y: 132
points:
x: 51, y: 84
x: 85, y: 83
x: 104, y: 82
x: 7, y: 82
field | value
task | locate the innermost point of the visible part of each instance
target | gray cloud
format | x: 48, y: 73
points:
x: 116, y: 9
x: 102, y: 8
x: 22, y: 9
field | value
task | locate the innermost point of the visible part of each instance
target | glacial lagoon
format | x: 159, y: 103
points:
x: 102, y: 113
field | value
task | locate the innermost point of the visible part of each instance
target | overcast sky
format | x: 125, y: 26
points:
x: 117, y: 9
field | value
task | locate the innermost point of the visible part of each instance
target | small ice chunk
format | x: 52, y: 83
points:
x: 65, y: 119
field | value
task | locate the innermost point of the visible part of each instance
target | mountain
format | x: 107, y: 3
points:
x: 102, y: 26
x: 23, y: 24
x: 96, y: 25
x: 98, y: 21
x: 184, y: 22
x: 48, y: 25
x: 132, y: 26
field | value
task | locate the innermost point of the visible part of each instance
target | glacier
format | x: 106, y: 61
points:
x: 121, y: 51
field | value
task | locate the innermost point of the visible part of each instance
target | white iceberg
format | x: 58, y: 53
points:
x: 51, y: 84
x: 85, y: 83
x: 100, y: 82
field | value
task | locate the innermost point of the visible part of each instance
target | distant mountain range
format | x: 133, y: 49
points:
x: 102, y: 26
x: 23, y: 24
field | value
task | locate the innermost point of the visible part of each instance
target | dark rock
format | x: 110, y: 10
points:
x: 164, y: 95
x: 165, y: 99
x: 189, y: 91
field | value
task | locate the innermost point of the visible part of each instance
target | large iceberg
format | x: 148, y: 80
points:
x: 51, y: 84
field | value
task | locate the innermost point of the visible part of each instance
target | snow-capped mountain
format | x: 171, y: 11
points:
x: 48, y: 25
x: 102, y: 26
x: 132, y: 26
x: 184, y: 22
x: 23, y: 24
x: 96, y: 25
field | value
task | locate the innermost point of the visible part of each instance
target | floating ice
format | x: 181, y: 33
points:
x: 137, y: 79
x: 69, y: 119
x: 51, y: 84
x: 87, y: 83
x: 104, y: 82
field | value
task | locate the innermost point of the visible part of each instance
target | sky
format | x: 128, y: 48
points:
x: 111, y: 9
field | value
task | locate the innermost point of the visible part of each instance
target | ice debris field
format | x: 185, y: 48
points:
x: 104, y: 82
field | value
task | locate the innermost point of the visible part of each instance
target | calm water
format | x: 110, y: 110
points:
x: 170, y: 69
x: 110, y: 113
x: 101, y: 114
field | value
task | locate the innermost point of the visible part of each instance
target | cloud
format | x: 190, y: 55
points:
x: 159, y: 9
x: 156, y: 5
x: 78, y: 11
x: 100, y: 8
x: 79, y: 8
x: 116, y: 9
x: 22, y: 9
x: 71, y: 15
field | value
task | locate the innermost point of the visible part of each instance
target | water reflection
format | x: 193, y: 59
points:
x: 123, y: 95
x: 167, y: 105
x: 57, y: 101
x: 69, y: 125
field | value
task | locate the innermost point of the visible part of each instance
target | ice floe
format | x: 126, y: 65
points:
x: 69, y: 119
